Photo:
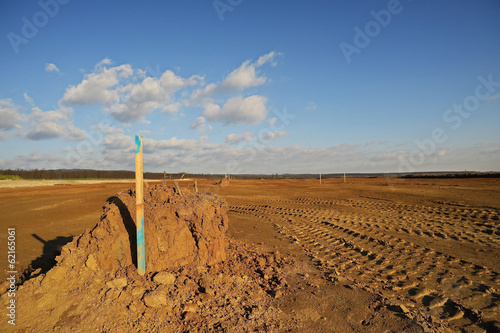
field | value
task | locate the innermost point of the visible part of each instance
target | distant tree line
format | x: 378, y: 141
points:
x: 463, y: 174
x: 123, y: 174
x: 84, y: 174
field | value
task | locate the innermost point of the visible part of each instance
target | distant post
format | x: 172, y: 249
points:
x: 320, y: 179
x: 344, y: 177
x: 139, y: 206
x: 177, y: 187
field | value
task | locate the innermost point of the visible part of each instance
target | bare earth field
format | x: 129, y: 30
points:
x: 370, y: 255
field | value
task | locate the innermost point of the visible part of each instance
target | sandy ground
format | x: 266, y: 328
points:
x: 371, y: 255
x: 9, y: 183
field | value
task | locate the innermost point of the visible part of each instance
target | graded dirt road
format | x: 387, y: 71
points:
x: 370, y: 255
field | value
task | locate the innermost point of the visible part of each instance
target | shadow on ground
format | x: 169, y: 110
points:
x: 51, y: 249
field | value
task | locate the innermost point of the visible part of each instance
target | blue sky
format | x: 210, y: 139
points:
x: 251, y: 86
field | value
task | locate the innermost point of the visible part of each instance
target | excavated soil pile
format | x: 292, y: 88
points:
x: 223, y: 182
x: 178, y: 230
x: 195, y: 279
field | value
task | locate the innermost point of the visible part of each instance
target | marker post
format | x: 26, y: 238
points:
x: 139, y: 206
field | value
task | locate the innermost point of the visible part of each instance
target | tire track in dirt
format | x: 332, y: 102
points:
x: 357, y: 246
x: 481, y: 226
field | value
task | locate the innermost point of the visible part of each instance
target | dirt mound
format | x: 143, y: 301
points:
x: 195, y: 280
x: 223, y: 182
x: 178, y: 230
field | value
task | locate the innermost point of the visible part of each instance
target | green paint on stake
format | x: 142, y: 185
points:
x: 139, y: 198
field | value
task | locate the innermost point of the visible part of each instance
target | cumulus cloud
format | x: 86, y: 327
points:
x: 131, y: 95
x: 46, y: 130
x: 143, y: 98
x: 246, y: 75
x: 127, y: 95
x: 233, y: 139
x: 53, y: 124
x: 49, y: 67
x: 9, y: 114
x: 243, y: 77
x: 97, y: 87
x: 251, y: 110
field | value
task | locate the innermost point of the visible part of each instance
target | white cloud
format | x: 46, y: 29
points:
x: 233, y: 139
x: 243, y: 77
x: 53, y: 124
x: 119, y: 141
x: 9, y: 114
x: 143, y: 98
x: 112, y: 88
x: 246, y: 75
x: 103, y: 63
x: 106, y: 129
x: 251, y: 110
x: 200, y: 94
x: 46, y: 130
x: 200, y: 125
x: 28, y: 99
x: 252, y: 156
x: 130, y: 95
x: 273, y: 135
x: 171, y: 108
x: 49, y: 67
x: 97, y: 87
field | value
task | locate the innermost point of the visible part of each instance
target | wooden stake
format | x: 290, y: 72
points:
x: 320, y: 179
x: 177, y: 187
x: 196, y: 186
x: 139, y: 206
x: 344, y: 177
